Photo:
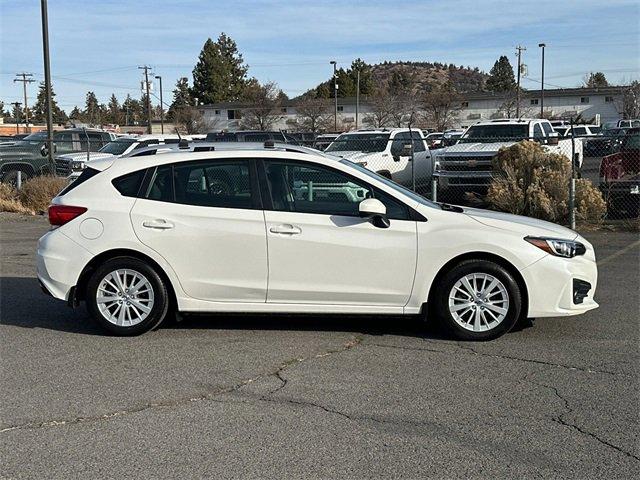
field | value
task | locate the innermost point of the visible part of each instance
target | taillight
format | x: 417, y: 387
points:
x: 61, y: 214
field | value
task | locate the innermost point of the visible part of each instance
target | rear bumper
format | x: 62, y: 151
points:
x: 59, y: 263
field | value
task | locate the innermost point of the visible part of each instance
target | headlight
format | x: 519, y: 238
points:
x: 77, y: 165
x: 558, y: 246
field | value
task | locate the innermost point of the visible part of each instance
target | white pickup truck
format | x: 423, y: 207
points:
x: 467, y: 164
x: 388, y: 152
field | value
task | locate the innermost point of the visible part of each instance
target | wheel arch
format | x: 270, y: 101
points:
x: 17, y: 165
x: 79, y: 291
x: 492, y: 257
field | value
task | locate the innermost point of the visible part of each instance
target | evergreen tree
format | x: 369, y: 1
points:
x: 76, y: 114
x: 501, y: 78
x: 114, y: 114
x: 596, y: 80
x: 92, y: 109
x: 366, y: 80
x: 220, y: 74
x: 39, y: 110
x: 181, y: 97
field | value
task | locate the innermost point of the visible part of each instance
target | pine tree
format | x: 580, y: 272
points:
x: 39, y: 110
x: 92, y: 109
x: 501, y: 78
x: 596, y: 80
x: 76, y: 114
x: 114, y: 114
x: 181, y: 97
x: 220, y: 74
x: 366, y: 80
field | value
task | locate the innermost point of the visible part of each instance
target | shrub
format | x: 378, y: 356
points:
x: 533, y: 182
x: 9, y: 200
x: 36, y: 193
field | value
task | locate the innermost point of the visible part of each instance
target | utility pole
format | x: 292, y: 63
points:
x: 25, y: 79
x: 161, y: 106
x: 146, y: 84
x: 542, y: 46
x: 17, y: 109
x: 519, y: 53
x: 47, y: 83
x: 335, y: 97
x: 357, y: 98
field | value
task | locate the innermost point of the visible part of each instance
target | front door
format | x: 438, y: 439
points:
x: 322, y: 252
x: 204, y: 219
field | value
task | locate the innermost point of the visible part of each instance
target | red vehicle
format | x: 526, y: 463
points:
x: 620, y: 176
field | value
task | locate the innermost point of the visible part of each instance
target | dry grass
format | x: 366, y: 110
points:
x: 36, y: 193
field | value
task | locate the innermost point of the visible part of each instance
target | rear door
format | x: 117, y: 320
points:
x: 205, y: 219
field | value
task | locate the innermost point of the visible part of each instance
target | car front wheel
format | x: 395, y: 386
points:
x: 478, y: 300
x: 127, y: 297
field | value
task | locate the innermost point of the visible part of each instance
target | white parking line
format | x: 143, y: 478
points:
x: 619, y: 252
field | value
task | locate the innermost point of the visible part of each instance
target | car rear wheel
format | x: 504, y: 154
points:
x: 478, y: 300
x: 127, y: 297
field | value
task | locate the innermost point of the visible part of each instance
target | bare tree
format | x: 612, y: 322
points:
x: 629, y: 104
x: 190, y: 120
x: 404, y: 112
x: 509, y: 106
x: 314, y: 114
x: 382, y: 107
x: 265, y: 109
x: 442, y: 106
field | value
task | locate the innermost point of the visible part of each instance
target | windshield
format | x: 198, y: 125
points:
x: 117, y: 147
x: 398, y: 188
x: 495, y: 132
x: 35, y: 137
x: 360, y: 142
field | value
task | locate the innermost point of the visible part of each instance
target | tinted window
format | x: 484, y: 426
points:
x: 537, y: 131
x: 117, y: 147
x: 495, y: 132
x: 305, y: 188
x: 360, y: 142
x: 546, y: 126
x: 418, y: 143
x: 161, y: 187
x: 147, y: 143
x: 579, y: 131
x: 129, y: 185
x: 225, y: 184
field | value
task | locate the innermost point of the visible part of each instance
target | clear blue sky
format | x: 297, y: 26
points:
x: 97, y: 45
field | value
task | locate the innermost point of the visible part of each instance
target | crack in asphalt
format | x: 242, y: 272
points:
x: 187, y: 400
x: 559, y: 419
x: 472, y: 351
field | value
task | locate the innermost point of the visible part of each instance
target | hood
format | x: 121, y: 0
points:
x: 82, y: 156
x: 477, y: 147
x: 517, y: 223
x: 354, y: 156
x: 18, y: 148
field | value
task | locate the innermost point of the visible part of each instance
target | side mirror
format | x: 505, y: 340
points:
x: 407, y: 150
x: 553, y: 139
x: 43, y: 150
x: 375, y: 210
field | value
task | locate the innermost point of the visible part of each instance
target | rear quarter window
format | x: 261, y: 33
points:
x: 86, y: 174
x: 129, y: 185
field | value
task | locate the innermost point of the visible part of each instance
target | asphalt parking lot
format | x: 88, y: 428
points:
x: 310, y: 397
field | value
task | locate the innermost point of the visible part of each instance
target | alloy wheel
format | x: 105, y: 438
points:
x: 125, y: 297
x: 478, y: 302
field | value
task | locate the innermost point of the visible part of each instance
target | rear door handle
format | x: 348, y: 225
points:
x: 159, y: 224
x: 286, y: 229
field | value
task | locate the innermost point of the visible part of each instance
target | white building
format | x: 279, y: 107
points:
x: 599, y: 104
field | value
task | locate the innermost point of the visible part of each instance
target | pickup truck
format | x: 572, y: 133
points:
x: 30, y: 157
x: 467, y: 165
x: 620, y: 176
x: 388, y: 152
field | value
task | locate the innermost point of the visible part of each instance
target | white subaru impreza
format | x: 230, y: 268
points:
x: 276, y: 228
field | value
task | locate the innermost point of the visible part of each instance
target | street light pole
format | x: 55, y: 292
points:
x: 542, y: 45
x: 335, y: 97
x: 161, y: 105
x: 47, y: 83
x: 357, y: 98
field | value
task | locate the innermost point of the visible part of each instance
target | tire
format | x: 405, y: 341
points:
x: 11, y: 177
x: 147, y: 306
x: 479, y: 318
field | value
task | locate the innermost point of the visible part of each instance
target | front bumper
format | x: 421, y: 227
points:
x: 556, y: 286
x: 59, y: 263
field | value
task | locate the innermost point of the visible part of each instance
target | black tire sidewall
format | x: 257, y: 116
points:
x: 477, y: 266
x: 160, y: 301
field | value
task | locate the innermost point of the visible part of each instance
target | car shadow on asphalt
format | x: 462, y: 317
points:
x: 23, y: 304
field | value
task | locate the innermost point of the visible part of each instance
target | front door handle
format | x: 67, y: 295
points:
x: 159, y: 224
x: 286, y: 229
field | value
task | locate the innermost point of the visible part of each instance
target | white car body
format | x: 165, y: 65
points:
x: 266, y: 260
x: 397, y: 167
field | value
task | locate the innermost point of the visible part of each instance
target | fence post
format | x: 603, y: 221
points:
x: 19, y: 180
x: 434, y: 189
x: 572, y: 183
